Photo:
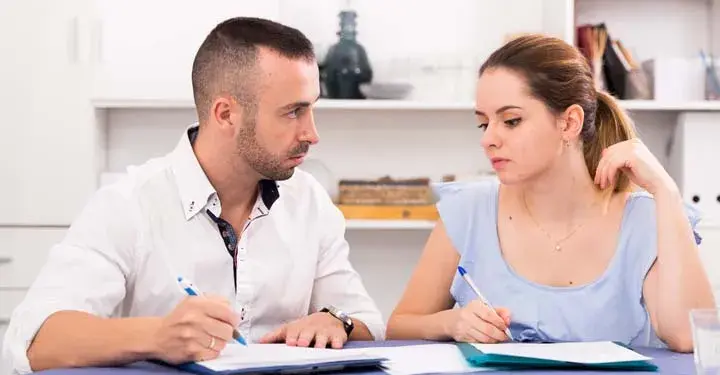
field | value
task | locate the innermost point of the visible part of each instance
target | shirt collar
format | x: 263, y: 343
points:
x: 194, y: 187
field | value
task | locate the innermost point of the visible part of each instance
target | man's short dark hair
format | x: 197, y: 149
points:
x: 226, y: 60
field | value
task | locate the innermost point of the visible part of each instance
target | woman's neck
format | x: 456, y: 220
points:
x: 563, y: 194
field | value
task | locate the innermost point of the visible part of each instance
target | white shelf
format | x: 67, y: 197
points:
x: 404, y: 105
x: 340, y: 104
x: 142, y: 103
x: 390, y: 224
x: 651, y: 105
x: 393, y: 105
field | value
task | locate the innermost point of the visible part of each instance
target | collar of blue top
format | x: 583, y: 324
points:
x: 269, y: 192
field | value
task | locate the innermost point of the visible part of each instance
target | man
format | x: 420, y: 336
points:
x: 227, y: 210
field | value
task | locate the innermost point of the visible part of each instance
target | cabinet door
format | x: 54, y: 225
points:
x: 147, y: 47
x: 710, y: 253
x: 47, y: 160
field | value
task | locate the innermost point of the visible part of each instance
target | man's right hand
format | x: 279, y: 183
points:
x: 196, y: 330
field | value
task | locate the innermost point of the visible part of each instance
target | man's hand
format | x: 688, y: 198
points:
x: 197, y: 329
x: 318, y: 329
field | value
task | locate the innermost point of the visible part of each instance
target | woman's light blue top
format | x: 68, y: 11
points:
x: 609, y: 309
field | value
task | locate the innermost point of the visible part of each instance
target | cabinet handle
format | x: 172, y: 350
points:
x: 72, y: 41
x: 5, y: 260
x: 98, y: 41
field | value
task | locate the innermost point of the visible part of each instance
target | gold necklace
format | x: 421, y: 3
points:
x: 549, y: 236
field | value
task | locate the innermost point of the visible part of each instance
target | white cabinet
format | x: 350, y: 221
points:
x: 694, y: 148
x: 146, y: 48
x: 47, y: 159
x: 710, y: 254
x: 27, y: 251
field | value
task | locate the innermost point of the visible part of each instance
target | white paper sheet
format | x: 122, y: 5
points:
x: 236, y: 356
x: 577, y: 352
x: 424, y: 359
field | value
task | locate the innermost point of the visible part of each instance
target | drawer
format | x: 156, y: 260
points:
x: 10, y: 298
x: 26, y: 250
x: 3, y: 329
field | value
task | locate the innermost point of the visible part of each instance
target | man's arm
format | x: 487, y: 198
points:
x: 78, y: 339
x: 84, y: 274
x: 197, y: 329
x: 338, y: 284
x: 68, y: 318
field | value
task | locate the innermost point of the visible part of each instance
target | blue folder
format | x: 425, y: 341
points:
x: 509, y: 362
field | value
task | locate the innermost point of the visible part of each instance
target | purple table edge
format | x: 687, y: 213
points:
x: 668, y: 362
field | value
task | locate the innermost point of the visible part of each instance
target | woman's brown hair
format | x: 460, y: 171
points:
x: 560, y: 76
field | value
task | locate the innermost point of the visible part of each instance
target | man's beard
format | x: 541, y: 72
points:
x: 262, y: 161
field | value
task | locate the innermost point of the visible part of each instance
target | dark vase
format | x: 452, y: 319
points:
x: 346, y: 64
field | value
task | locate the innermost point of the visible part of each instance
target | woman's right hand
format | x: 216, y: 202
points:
x: 476, y: 322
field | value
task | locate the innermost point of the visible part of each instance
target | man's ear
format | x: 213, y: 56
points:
x: 221, y: 112
x: 571, y: 122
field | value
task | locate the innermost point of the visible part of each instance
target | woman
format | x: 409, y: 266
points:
x: 561, y: 242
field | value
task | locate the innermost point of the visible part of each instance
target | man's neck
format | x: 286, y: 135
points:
x: 235, y: 184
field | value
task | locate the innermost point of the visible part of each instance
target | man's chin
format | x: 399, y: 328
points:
x: 280, y: 175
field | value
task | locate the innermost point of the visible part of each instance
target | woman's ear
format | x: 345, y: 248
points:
x: 571, y: 122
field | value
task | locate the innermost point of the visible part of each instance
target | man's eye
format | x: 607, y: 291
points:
x: 295, y: 113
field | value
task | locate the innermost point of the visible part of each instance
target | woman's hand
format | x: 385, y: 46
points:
x: 476, y: 322
x: 634, y: 159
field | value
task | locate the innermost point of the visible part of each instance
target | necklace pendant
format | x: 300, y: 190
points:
x: 557, y: 247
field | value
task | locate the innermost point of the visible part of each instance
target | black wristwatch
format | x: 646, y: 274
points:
x: 340, y: 315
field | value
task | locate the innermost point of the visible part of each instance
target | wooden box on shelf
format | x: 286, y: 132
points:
x: 385, y: 191
x: 387, y: 199
x: 389, y: 212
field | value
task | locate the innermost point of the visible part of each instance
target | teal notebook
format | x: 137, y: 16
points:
x: 581, y: 355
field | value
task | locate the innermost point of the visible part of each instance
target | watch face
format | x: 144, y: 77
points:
x: 342, y: 316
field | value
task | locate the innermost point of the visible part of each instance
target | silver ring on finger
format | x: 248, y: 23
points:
x: 212, y: 343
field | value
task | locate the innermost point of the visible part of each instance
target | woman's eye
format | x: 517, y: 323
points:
x: 483, y: 126
x: 513, y: 122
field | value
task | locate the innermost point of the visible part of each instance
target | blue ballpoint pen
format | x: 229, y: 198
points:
x: 191, y: 290
x: 475, y: 289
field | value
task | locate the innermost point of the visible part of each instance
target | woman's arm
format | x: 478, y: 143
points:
x: 677, y: 281
x: 423, y: 308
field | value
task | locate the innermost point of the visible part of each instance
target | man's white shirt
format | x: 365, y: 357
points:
x: 123, y: 254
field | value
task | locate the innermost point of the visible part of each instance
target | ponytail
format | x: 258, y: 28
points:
x: 612, y: 125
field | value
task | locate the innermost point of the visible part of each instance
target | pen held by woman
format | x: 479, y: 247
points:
x: 471, y: 284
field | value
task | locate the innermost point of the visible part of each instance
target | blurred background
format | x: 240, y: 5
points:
x: 89, y: 87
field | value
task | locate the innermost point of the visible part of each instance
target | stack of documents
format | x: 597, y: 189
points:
x: 267, y: 358
x: 424, y: 359
x: 589, y: 355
